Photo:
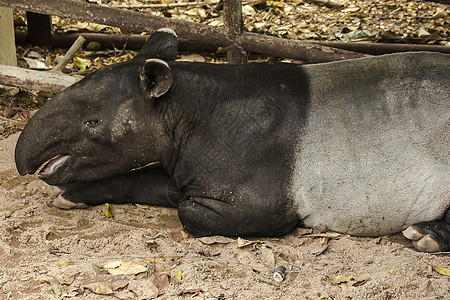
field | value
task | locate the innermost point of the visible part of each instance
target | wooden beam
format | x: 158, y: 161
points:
x: 122, y: 18
x: 383, y: 48
x: 31, y: 80
x: 7, y: 42
x: 305, y: 51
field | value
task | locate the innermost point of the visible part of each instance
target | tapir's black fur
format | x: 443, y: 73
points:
x: 222, y: 141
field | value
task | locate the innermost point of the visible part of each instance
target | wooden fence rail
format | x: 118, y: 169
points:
x: 233, y: 37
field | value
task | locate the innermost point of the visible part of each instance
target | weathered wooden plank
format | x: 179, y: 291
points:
x: 33, y: 81
x: 7, y: 44
x: 305, y: 51
x: 383, y: 48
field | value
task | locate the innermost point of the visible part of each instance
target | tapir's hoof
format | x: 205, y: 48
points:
x: 54, y: 190
x: 66, y: 204
x: 429, y: 236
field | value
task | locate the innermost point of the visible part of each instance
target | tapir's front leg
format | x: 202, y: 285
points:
x: 151, y: 186
x: 205, y: 216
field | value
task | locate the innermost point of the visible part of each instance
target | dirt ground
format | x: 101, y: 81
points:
x: 49, y: 253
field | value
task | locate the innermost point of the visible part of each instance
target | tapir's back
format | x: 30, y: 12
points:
x: 375, y: 157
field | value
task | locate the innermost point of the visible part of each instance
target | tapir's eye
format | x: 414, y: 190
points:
x: 91, y: 123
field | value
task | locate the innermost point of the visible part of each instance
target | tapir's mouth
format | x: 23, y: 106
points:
x: 53, y: 166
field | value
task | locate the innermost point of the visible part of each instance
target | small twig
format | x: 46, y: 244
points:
x: 26, y: 52
x: 9, y: 120
x: 77, y: 45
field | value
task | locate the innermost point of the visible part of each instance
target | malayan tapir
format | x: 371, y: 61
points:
x: 362, y: 146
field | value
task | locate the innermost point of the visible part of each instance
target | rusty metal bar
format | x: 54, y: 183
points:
x: 136, y: 41
x: 119, y: 41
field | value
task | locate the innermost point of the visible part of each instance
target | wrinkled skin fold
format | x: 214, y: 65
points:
x: 362, y: 146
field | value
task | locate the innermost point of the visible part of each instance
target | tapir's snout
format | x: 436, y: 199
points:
x: 23, y: 156
x: 39, y: 142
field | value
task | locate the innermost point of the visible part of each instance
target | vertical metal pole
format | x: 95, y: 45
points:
x: 39, y: 29
x: 232, y: 11
x: 7, y: 42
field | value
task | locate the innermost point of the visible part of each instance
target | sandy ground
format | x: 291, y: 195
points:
x: 49, y: 253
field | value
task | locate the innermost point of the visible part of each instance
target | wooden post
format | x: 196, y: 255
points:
x: 232, y: 15
x: 7, y: 42
x: 39, y: 29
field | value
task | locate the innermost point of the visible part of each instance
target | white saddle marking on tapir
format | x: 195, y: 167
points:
x: 373, y: 166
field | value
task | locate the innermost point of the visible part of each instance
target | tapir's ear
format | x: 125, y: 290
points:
x: 162, y: 44
x: 155, y: 78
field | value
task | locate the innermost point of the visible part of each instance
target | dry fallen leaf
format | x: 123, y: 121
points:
x: 268, y: 257
x: 121, y: 281
x: 247, y: 257
x: 241, y: 243
x: 216, y: 239
x: 71, y: 292
x: 107, y: 213
x: 58, y: 289
x: 101, y: 288
x: 194, y: 291
x: 144, y: 289
x: 441, y: 270
x: 66, y: 279
x: 347, y: 281
x: 54, y: 284
x: 125, y: 267
x: 179, y: 274
x: 161, y: 279
x: 125, y: 294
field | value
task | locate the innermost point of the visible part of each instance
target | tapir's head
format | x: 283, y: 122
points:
x: 105, y: 124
